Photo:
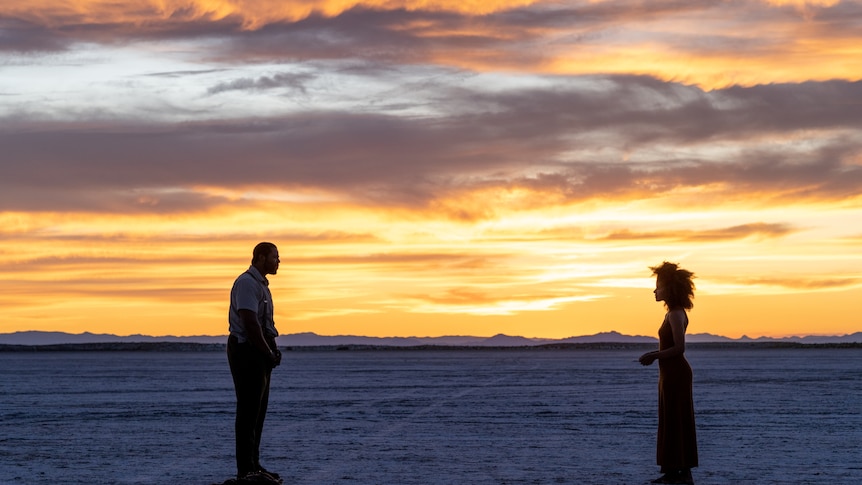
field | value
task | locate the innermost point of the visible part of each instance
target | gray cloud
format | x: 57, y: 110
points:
x: 289, y: 81
x: 180, y: 74
x: 21, y: 36
x: 564, y: 139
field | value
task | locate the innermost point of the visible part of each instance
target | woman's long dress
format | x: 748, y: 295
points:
x: 677, y: 442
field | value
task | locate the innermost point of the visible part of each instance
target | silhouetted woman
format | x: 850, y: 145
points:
x: 676, y: 451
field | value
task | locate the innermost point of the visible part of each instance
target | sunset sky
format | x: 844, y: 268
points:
x: 431, y: 167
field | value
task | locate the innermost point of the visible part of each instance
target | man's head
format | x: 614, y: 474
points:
x: 265, y: 258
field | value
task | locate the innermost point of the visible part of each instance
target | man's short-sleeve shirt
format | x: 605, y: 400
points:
x: 251, y: 292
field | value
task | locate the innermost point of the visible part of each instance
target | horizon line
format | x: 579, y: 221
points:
x: 744, y: 336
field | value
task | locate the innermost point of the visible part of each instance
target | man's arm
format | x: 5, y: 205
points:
x: 270, y: 340
x: 255, y: 334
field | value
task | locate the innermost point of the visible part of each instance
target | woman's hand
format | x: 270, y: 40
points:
x: 648, y: 358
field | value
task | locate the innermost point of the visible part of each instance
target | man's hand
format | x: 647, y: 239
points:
x: 273, y: 358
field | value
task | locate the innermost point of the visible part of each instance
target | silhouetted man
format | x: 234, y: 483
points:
x: 252, y: 354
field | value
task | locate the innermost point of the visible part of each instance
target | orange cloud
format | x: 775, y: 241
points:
x: 709, y: 45
x: 804, y: 3
x: 252, y: 13
x: 806, y: 284
x: 721, y: 234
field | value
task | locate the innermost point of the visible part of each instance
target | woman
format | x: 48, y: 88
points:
x: 677, y: 447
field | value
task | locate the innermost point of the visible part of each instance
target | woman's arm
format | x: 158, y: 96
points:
x: 676, y: 319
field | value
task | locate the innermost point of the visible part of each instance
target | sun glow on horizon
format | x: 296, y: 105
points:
x: 533, y: 270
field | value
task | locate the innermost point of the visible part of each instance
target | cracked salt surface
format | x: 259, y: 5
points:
x: 429, y: 417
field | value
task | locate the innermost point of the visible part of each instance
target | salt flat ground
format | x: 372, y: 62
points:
x: 514, y: 416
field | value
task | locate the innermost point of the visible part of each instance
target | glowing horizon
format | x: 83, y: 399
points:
x: 431, y: 168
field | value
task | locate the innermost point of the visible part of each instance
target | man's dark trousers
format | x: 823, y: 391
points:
x: 251, y: 373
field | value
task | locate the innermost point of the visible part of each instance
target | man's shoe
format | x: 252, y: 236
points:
x: 275, y: 477
x: 272, y: 474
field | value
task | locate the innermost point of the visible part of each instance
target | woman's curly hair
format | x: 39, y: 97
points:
x: 677, y: 283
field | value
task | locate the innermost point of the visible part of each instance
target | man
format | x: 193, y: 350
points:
x: 252, y: 354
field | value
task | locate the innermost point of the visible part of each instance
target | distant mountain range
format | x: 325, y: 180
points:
x: 311, y: 339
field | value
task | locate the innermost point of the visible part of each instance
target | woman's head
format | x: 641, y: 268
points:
x: 673, y: 285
